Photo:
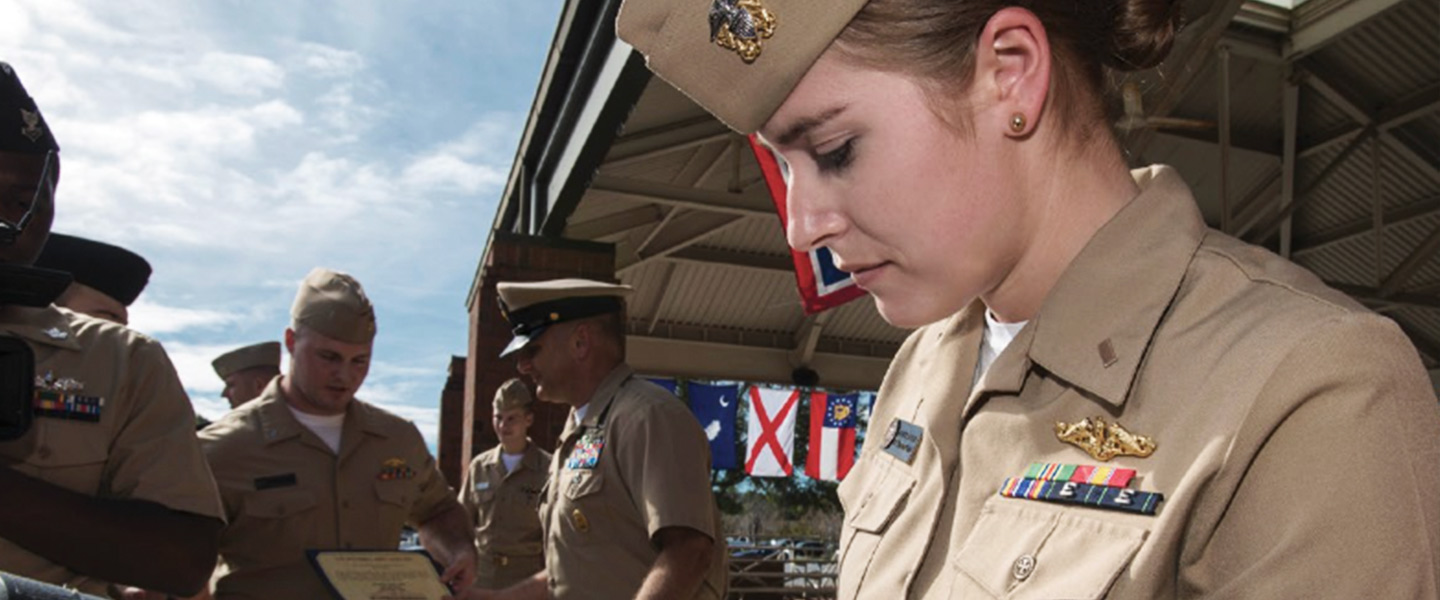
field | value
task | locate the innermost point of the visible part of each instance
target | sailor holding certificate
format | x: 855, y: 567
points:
x: 307, y: 466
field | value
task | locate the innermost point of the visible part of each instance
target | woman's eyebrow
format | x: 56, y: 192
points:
x: 803, y: 126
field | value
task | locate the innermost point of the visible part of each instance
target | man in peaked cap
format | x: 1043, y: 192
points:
x: 108, y: 278
x: 501, y: 493
x: 108, y: 484
x: 246, y: 371
x: 307, y: 466
x: 628, y: 512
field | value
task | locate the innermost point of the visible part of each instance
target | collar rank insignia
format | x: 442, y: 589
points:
x: 32, y: 128
x: 56, y: 333
x: 1104, y: 441
x: 586, y: 453
x: 740, y: 25
x: 1084, y: 485
x: 395, y: 469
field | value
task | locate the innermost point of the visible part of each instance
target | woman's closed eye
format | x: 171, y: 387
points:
x: 836, y: 160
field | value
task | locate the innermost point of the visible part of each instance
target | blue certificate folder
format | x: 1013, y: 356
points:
x: 338, y: 569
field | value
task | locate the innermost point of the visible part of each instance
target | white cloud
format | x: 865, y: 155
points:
x: 238, y: 74
x: 192, y: 363
x: 328, y: 61
x: 158, y: 320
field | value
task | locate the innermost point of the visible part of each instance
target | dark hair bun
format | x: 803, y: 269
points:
x: 1142, y: 33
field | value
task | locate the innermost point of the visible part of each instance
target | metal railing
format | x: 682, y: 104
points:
x: 782, y: 570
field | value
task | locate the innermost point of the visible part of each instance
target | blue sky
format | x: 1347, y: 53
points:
x: 236, y: 145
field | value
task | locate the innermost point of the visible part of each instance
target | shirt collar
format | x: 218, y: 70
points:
x: 49, y: 326
x: 1095, y: 325
x: 277, y: 424
x: 600, y: 400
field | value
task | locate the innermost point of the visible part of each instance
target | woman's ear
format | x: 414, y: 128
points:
x: 1012, y: 69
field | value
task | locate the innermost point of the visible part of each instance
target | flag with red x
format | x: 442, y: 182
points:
x: 771, y: 432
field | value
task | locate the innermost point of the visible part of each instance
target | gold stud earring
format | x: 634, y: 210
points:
x: 1017, y: 123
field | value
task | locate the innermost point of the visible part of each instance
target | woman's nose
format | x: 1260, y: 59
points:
x: 812, y: 219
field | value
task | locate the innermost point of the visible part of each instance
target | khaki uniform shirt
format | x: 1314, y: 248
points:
x: 123, y: 428
x: 286, y: 492
x: 505, y: 508
x: 1297, y: 435
x: 638, y: 462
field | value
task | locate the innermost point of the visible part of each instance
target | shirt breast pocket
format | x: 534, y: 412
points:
x: 394, y: 498
x: 1021, y: 552
x: 873, y: 509
x: 585, y: 514
x: 278, y: 504
x: 72, y: 455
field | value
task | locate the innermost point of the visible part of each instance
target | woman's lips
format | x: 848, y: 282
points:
x: 866, y: 276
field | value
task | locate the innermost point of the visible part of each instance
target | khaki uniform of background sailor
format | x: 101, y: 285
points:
x: 628, y: 511
x: 1276, y: 439
x: 108, y: 483
x: 307, y: 465
x: 501, y: 493
x: 247, y: 370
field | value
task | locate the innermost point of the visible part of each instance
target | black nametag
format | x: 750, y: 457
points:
x: 275, y: 481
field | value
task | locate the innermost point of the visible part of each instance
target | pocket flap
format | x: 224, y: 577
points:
x: 1020, y: 551
x: 883, y: 501
x: 583, y: 483
x: 395, y: 492
x: 278, y: 504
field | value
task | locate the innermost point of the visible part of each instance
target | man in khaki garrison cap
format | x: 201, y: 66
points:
x: 501, y: 493
x: 106, y: 483
x: 246, y: 371
x: 628, y: 511
x: 307, y: 466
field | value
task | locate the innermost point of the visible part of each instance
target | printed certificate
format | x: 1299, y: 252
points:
x: 378, y: 574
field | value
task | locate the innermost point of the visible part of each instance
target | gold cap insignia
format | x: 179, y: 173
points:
x: 739, y: 25
x: 1104, y: 441
x: 32, y: 128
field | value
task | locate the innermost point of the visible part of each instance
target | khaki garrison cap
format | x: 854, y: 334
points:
x: 263, y: 354
x: 513, y: 394
x: 335, y: 305
x: 531, y: 307
x: 739, y: 59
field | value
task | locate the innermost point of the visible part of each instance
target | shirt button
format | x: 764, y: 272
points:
x: 1024, y: 566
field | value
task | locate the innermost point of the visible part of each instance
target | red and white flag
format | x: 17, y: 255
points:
x: 832, y: 436
x: 771, y: 432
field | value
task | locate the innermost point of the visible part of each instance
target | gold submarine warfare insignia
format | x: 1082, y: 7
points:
x: 1104, y: 441
x: 740, y: 25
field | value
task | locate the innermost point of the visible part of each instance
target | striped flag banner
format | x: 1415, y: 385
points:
x: 832, y: 436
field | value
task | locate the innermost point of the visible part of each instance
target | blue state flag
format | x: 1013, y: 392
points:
x: 715, y: 407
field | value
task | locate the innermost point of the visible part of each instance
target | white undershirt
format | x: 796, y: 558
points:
x: 579, y: 413
x: 997, y: 337
x: 511, y: 461
x: 328, y: 427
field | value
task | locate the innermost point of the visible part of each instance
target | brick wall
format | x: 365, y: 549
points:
x: 511, y: 257
x: 453, y: 409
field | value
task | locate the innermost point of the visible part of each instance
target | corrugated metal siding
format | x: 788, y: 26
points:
x: 1392, y: 55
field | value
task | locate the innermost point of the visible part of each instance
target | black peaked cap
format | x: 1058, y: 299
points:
x: 114, y: 271
x: 22, y: 127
